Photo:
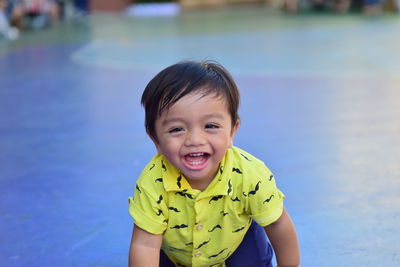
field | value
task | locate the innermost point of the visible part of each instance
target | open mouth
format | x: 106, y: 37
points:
x: 196, y: 160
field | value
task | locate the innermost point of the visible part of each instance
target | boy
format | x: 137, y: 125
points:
x: 198, y: 197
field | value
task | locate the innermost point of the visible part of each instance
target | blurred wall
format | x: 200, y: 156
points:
x: 109, y: 5
x: 214, y: 3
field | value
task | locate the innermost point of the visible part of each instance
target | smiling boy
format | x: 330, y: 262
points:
x: 201, y: 201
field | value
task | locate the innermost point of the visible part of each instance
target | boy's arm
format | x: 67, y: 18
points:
x: 283, y: 237
x: 145, y: 249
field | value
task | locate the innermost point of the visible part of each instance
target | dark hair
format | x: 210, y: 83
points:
x: 181, y: 79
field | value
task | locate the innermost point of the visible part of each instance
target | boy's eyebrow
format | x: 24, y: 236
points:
x: 172, y: 120
x: 208, y: 116
x: 214, y: 115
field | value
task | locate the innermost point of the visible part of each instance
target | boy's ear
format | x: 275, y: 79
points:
x: 235, y: 127
x: 234, y: 130
x: 155, y: 142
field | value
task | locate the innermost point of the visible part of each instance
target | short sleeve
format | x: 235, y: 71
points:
x: 148, y: 210
x: 265, y: 200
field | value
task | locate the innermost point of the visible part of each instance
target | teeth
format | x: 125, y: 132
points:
x: 196, y: 154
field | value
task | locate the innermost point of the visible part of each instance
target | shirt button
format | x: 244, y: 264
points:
x: 198, y: 254
x: 199, y: 227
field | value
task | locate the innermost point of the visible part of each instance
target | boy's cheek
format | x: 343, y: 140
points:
x: 160, y: 150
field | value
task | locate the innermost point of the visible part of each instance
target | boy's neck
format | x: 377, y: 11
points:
x: 198, y: 185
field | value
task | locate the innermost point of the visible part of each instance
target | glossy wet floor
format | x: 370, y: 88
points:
x: 320, y: 105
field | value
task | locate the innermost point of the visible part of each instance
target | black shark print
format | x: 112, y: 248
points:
x: 215, y: 227
x: 160, y: 199
x: 152, y: 166
x: 159, y: 213
x: 237, y: 170
x: 271, y: 177
x: 165, y: 221
x: 158, y: 180
x: 235, y: 199
x: 179, y: 226
x: 163, y: 166
x: 244, y: 194
x: 253, y: 192
x: 188, y: 244
x: 174, y: 209
x: 221, y: 169
x: 204, y: 243
x: 215, y: 198
x: 238, y: 230
x: 268, y: 199
x: 138, y: 189
x: 229, y: 187
x: 224, y: 213
x: 245, y: 157
x: 178, y: 181
x: 216, y: 255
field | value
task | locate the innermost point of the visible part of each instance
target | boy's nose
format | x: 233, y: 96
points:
x: 194, y: 138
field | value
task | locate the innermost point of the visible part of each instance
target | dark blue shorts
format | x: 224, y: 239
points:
x: 254, y: 251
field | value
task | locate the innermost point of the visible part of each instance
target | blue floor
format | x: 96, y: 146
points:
x: 320, y: 105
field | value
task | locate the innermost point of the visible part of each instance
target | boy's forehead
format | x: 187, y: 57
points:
x: 190, y: 100
x: 193, y: 98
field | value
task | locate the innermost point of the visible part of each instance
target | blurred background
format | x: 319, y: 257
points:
x: 320, y: 88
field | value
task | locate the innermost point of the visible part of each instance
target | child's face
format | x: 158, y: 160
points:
x: 194, y: 134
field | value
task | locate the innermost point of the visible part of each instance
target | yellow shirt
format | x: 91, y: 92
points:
x: 203, y: 228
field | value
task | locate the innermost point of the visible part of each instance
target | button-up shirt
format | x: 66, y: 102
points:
x: 203, y: 228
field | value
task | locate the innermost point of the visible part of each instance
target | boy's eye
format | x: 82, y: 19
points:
x: 211, y: 126
x: 175, y: 130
